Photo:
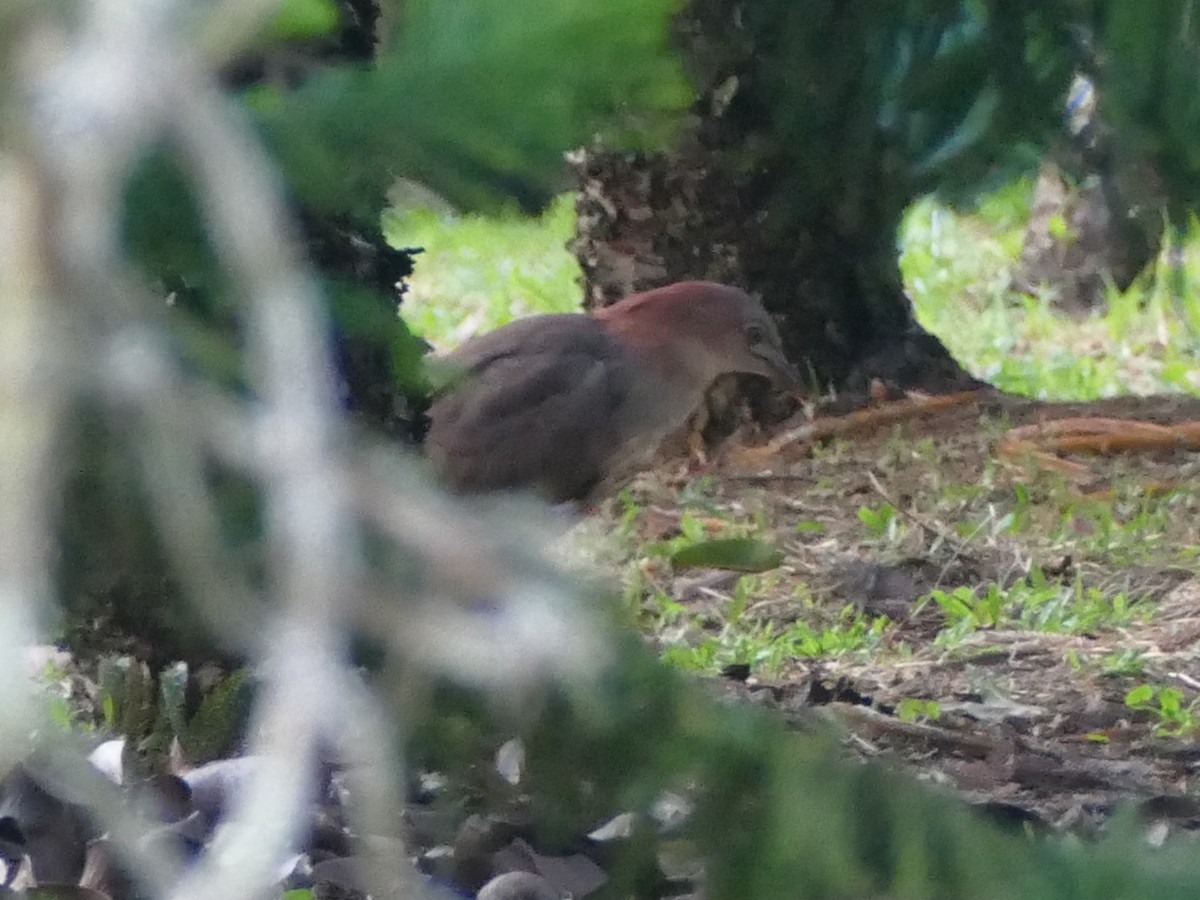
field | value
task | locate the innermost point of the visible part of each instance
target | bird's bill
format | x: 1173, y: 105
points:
x: 781, y: 372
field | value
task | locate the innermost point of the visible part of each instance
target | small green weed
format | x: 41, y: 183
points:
x: 1126, y: 663
x: 911, y: 709
x: 882, y: 522
x: 1174, y: 718
x: 967, y: 611
x: 694, y: 529
x: 768, y: 646
x: 1036, y: 603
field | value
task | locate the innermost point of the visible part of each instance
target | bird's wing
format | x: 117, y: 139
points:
x: 534, y: 335
x: 536, y: 408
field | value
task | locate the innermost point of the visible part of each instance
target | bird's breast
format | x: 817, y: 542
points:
x: 659, y: 407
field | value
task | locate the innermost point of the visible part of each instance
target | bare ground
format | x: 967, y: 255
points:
x: 1028, y: 711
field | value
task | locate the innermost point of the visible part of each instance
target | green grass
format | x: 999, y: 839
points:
x: 1144, y: 342
x: 477, y: 273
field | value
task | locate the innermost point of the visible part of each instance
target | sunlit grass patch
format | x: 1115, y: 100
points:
x: 478, y: 272
x: 957, y: 270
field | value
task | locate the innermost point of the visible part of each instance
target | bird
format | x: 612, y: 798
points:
x: 571, y: 406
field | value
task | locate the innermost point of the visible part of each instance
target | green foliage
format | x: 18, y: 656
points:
x: 964, y: 608
x: 766, y: 647
x: 151, y: 710
x: 961, y: 264
x: 912, y: 709
x: 695, y: 529
x: 55, y: 691
x: 1149, y: 84
x: 475, y: 101
x: 358, y: 315
x: 209, y: 728
x: 877, y: 103
x: 1129, y: 661
x: 162, y: 228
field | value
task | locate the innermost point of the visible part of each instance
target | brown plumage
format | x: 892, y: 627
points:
x: 570, y: 406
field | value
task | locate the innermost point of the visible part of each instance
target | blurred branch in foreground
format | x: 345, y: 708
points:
x: 80, y: 329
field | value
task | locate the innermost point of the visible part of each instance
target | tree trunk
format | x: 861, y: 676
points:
x: 729, y: 203
x: 1097, y: 215
x: 1082, y: 237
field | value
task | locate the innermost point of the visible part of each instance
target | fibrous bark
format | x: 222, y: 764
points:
x: 731, y: 202
x: 1097, y: 215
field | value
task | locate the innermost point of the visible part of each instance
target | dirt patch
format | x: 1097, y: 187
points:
x: 1074, y: 591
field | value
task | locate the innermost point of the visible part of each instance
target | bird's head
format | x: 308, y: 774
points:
x: 701, y: 329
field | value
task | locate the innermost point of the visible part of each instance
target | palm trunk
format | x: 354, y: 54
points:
x: 735, y: 200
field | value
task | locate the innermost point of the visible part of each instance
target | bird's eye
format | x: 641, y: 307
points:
x: 755, y: 333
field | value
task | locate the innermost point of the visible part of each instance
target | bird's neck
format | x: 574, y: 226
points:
x: 684, y: 364
x: 677, y: 369
x: 669, y: 391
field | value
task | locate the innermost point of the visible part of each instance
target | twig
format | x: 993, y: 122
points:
x: 959, y: 548
x: 1041, y: 442
x: 765, y: 478
x: 874, y: 417
x: 311, y: 537
x: 877, y: 724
